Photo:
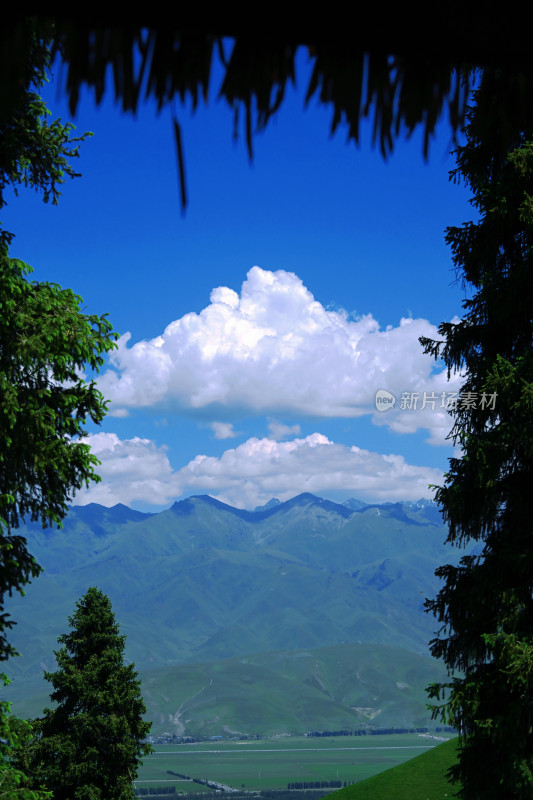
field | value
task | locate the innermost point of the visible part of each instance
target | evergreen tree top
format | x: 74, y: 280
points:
x: 94, y: 628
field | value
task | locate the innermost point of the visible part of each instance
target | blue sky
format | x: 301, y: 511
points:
x: 257, y: 327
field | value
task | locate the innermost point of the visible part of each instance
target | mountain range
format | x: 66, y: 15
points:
x: 206, y: 589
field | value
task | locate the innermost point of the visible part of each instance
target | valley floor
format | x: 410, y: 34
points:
x: 272, y: 764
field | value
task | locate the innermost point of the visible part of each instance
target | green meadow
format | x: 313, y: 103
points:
x: 421, y: 778
x: 273, y: 763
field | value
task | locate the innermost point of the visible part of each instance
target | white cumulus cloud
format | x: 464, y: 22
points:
x: 250, y: 474
x: 274, y: 349
x: 280, y: 431
x: 223, y: 430
x: 131, y: 470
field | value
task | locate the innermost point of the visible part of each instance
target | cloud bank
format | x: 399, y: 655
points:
x: 275, y: 350
x: 250, y: 474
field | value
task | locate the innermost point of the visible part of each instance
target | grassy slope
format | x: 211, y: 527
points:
x: 283, y: 692
x: 421, y: 778
x: 203, y: 582
x: 338, y: 687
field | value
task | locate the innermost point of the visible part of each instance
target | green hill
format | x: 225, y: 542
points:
x: 421, y: 778
x: 203, y: 581
x: 342, y: 687
x: 202, y: 591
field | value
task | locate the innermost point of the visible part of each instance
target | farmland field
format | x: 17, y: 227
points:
x: 273, y: 763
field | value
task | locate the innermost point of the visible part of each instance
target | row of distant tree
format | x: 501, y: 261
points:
x: 379, y: 731
x: 315, y: 784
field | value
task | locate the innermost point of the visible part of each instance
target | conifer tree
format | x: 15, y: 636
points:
x: 90, y: 745
x: 486, y: 603
x: 47, y: 345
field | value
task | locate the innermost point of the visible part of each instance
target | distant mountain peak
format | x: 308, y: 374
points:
x: 307, y: 500
x: 303, y: 499
x: 272, y: 503
x: 94, y: 512
x: 426, y: 501
x: 354, y: 504
x: 189, y: 503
